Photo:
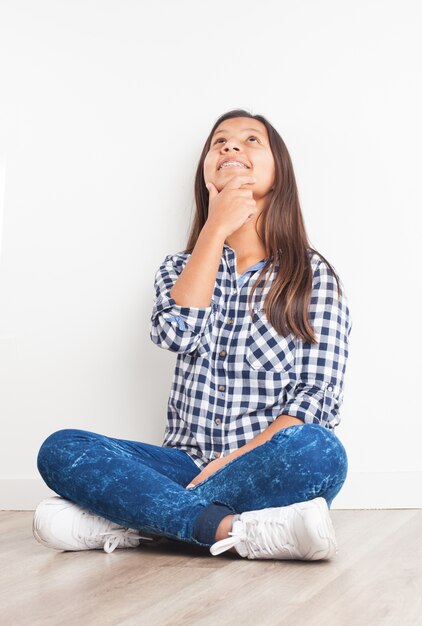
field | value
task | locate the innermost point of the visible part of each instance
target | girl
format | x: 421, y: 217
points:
x: 260, y: 323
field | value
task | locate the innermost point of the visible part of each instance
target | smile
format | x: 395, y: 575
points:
x: 232, y: 164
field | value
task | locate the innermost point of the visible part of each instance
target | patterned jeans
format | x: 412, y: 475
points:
x: 142, y: 486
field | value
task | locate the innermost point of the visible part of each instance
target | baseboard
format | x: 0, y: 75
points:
x: 362, y: 490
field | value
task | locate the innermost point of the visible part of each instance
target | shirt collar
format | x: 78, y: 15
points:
x: 231, y: 257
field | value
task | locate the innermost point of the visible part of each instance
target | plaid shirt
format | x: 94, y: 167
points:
x: 234, y: 376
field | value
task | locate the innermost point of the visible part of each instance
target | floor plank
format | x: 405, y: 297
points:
x: 376, y: 578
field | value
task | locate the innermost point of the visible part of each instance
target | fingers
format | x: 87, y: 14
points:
x: 212, y: 190
x: 237, y: 181
x: 233, y: 183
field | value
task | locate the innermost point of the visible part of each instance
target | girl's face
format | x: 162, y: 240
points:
x: 241, y: 139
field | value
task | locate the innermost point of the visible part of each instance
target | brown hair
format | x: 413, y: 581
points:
x: 283, y: 234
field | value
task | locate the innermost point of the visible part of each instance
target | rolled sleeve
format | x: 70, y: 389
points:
x: 320, y: 368
x: 174, y: 327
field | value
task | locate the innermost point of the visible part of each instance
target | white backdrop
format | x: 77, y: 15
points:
x: 104, y: 108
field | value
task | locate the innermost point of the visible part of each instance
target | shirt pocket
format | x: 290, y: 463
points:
x: 266, y: 350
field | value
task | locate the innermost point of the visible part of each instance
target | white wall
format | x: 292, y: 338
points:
x: 104, y: 108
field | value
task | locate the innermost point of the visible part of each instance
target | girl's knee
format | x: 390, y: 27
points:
x: 327, y: 461
x: 58, y: 437
x: 335, y: 454
x: 325, y: 450
x: 52, y: 446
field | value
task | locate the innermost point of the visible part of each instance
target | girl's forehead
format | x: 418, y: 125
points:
x: 241, y: 124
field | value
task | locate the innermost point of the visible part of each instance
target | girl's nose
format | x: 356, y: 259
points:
x: 231, y: 144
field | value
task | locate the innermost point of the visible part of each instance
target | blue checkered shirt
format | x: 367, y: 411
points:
x: 235, y: 375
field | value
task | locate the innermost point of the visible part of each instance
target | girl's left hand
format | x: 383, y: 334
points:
x: 210, y: 469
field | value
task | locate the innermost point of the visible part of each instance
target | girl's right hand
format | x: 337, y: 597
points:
x: 233, y: 206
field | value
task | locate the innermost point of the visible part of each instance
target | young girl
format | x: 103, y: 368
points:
x: 260, y: 323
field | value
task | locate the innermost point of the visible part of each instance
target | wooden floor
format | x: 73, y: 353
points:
x: 376, y: 578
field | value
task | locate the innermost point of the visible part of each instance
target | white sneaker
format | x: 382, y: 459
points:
x: 302, y: 531
x: 64, y: 525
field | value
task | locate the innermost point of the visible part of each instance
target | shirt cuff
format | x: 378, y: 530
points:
x: 186, y: 317
x: 315, y: 404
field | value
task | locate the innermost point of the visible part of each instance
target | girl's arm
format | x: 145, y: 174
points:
x: 321, y: 367
x: 283, y: 421
x: 195, y: 285
x: 178, y: 324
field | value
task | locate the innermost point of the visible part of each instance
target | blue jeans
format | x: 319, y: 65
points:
x: 142, y: 486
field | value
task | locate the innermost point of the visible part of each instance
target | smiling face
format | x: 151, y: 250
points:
x: 246, y: 140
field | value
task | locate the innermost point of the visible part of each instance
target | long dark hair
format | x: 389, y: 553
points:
x: 283, y: 235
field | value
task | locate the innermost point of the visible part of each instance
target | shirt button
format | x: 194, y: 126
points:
x: 230, y: 321
x: 217, y: 454
x: 223, y: 353
x: 330, y: 387
x: 222, y: 387
x: 218, y: 420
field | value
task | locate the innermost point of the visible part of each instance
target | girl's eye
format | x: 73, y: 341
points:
x: 250, y: 137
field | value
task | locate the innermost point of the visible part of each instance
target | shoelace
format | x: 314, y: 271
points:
x: 261, y: 537
x: 91, y: 530
x: 258, y: 537
x: 124, y: 535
